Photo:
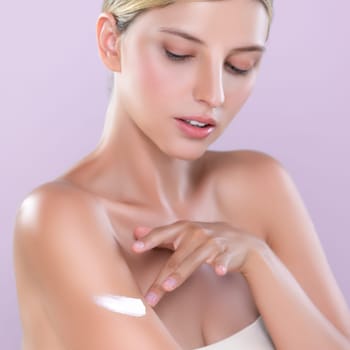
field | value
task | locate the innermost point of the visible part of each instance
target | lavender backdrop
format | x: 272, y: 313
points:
x: 53, y: 95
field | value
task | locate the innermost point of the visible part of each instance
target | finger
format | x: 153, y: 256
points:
x: 166, y: 235
x: 156, y: 290
x: 189, y: 265
x: 181, y: 269
x: 220, y: 264
x: 228, y: 261
x: 141, y: 231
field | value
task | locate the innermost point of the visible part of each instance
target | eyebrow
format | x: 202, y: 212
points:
x: 190, y: 37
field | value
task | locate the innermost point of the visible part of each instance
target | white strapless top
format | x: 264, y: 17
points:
x: 252, y: 337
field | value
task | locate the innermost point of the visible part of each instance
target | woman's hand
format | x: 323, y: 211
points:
x: 222, y: 246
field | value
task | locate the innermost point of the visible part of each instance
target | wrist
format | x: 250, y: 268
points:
x: 257, y: 253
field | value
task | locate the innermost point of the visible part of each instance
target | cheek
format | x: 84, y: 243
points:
x: 157, y: 81
x: 239, y: 91
x: 145, y: 84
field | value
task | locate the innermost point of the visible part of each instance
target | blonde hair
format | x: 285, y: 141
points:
x: 125, y: 11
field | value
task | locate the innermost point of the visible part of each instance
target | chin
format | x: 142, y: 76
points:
x: 187, y: 158
x: 189, y: 153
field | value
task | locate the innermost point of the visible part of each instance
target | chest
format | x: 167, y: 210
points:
x: 204, y: 309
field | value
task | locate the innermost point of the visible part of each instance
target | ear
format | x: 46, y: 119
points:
x: 108, y: 39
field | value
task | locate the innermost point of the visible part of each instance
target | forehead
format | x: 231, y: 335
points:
x: 235, y: 22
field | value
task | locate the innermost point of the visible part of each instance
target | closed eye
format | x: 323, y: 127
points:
x: 175, y: 57
x: 239, y: 71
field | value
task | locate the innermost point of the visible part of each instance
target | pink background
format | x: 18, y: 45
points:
x: 54, y: 90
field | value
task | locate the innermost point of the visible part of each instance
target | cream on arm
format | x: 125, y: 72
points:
x: 66, y: 241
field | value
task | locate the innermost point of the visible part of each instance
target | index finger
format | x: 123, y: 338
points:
x: 168, y: 234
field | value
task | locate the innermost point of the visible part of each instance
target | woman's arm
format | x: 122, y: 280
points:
x: 292, y: 283
x: 65, y: 240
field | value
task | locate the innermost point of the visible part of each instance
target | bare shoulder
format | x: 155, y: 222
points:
x: 245, y: 178
x: 243, y: 162
x: 59, y: 227
x: 263, y: 180
x: 51, y: 194
x: 64, y: 241
x: 269, y: 191
x: 267, y: 184
x: 55, y: 204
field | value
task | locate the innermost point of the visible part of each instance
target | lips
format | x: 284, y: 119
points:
x: 194, y: 131
x: 201, y: 119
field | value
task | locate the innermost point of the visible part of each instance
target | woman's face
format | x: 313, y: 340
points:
x: 157, y: 89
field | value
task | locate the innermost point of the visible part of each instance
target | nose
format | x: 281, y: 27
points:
x: 209, y: 86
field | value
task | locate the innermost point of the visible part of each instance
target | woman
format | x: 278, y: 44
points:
x: 218, y: 246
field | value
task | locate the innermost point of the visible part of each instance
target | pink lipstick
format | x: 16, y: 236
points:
x: 197, y: 127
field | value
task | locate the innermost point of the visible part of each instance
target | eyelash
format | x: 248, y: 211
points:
x: 180, y: 58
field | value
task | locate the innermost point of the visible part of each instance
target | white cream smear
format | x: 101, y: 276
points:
x: 121, y: 304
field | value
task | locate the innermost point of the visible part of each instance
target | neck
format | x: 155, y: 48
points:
x: 137, y: 171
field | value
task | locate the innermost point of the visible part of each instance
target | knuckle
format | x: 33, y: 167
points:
x: 157, y: 287
x: 173, y: 263
x: 178, y: 277
x: 198, y: 231
x: 182, y: 222
x: 191, y: 226
x: 150, y: 240
x: 218, y: 244
x: 222, y: 258
x: 198, y: 234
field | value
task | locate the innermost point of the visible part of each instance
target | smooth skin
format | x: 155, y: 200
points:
x: 230, y: 228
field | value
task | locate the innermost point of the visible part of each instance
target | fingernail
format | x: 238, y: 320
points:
x: 169, y: 283
x: 152, y: 298
x: 138, y: 245
x: 221, y: 270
